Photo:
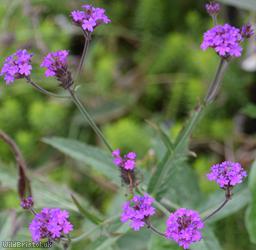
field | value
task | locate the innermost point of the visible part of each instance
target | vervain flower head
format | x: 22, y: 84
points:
x: 51, y: 224
x: 212, y: 8
x: 128, y: 162
x: 227, y: 174
x: 90, y: 17
x: 27, y: 203
x: 56, y: 64
x: 184, y: 226
x: 247, y: 31
x: 16, y: 66
x: 224, y: 39
x: 137, y: 210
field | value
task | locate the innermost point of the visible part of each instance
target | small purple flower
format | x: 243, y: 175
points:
x: 184, y: 226
x: 247, y: 31
x: 50, y: 223
x: 27, y: 203
x: 212, y: 8
x: 224, y: 39
x: 55, y: 62
x: 56, y: 65
x: 137, y: 210
x: 227, y: 174
x: 78, y: 16
x: 90, y: 17
x: 128, y: 162
x: 89, y: 24
x: 16, y: 66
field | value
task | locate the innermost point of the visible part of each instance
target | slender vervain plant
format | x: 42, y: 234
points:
x: 183, y: 225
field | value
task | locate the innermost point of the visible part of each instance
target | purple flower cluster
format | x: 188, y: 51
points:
x: 27, y: 203
x: 212, y: 8
x: 184, y: 226
x: 128, y: 162
x: 247, y: 31
x: 50, y: 223
x: 90, y: 17
x: 137, y: 210
x: 227, y: 174
x: 55, y: 63
x: 224, y: 39
x: 16, y: 66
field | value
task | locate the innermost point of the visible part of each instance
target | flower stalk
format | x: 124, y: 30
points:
x: 228, y: 196
x: 210, y: 96
x: 88, y: 117
x: 42, y: 90
x: 87, y: 39
x: 215, y: 85
x: 153, y: 229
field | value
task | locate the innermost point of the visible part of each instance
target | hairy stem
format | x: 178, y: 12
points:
x: 198, y: 113
x: 228, y: 196
x: 151, y: 227
x: 87, y: 38
x: 88, y: 117
x: 42, y: 90
x: 213, y: 89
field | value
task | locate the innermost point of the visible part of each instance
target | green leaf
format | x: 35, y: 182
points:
x: 45, y: 192
x: 250, y: 215
x: 182, y: 186
x: 163, y: 135
x: 250, y: 221
x: 240, y: 199
x: 208, y: 242
x: 244, y: 4
x: 134, y: 240
x: 97, y: 159
x: 250, y: 110
x: 84, y: 212
x: 6, y: 226
x: 252, y: 179
x: 105, y: 242
x: 166, y: 167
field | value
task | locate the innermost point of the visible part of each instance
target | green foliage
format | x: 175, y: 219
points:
x: 245, y: 4
x: 160, y: 43
x: 52, y: 116
x: 251, y: 210
x: 169, y: 59
x: 143, y: 16
x: 95, y: 158
x: 250, y: 110
x: 124, y: 133
x: 11, y: 115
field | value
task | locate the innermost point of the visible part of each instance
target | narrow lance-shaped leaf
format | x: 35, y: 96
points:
x: 97, y: 159
x: 243, y: 4
x: 85, y: 213
x: 250, y: 216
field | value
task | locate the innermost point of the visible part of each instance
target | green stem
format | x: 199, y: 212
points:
x: 42, y: 90
x: 88, y: 117
x: 87, y: 234
x: 228, y: 196
x: 152, y: 228
x: 211, y: 94
x: 216, y: 210
x: 213, y: 89
x: 87, y: 38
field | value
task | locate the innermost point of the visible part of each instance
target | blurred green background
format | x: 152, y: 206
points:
x: 144, y: 66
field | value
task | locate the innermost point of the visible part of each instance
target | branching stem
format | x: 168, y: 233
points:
x: 88, y: 117
x: 44, y: 91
